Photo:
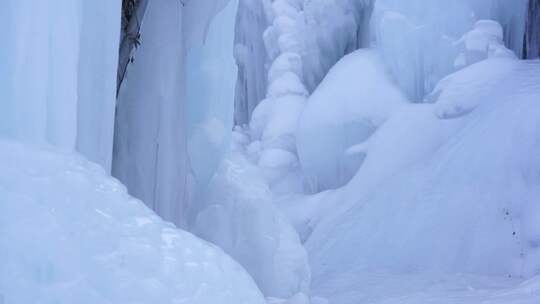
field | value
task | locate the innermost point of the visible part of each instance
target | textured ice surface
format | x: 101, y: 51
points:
x: 174, y: 117
x: 71, y: 234
x: 417, y: 38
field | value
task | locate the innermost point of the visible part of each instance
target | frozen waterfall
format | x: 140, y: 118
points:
x: 174, y: 113
x: 57, y: 74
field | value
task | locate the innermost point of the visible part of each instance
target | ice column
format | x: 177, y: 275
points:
x: 251, y: 57
x: 150, y: 150
x: 56, y: 67
x: 532, y: 33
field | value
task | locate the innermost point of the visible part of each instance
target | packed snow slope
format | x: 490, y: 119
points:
x: 71, y: 234
x: 446, y: 187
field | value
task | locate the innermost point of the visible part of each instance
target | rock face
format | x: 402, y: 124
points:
x: 532, y: 34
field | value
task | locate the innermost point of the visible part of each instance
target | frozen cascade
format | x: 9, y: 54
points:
x: 150, y: 152
x: 251, y: 57
x: 417, y: 38
x: 532, y: 34
x: 57, y: 85
x: 153, y: 135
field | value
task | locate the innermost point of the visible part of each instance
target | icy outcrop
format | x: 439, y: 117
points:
x: 57, y: 74
x: 71, y: 234
x: 532, y: 31
x: 354, y: 99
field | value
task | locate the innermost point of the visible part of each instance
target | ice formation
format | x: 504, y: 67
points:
x: 173, y: 116
x: 532, y: 31
x: 150, y: 148
x: 210, y: 85
x: 72, y: 234
x: 383, y: 152
x: 58, y: 70
x: 354, y: 99
x: 237, y: 213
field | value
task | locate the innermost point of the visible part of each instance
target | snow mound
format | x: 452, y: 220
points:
x: 451, y: 195
x: 355, y: 98
x: 71, y: 234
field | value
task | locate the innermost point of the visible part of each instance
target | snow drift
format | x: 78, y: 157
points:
x: 456, y: 194
x: 71, y: 234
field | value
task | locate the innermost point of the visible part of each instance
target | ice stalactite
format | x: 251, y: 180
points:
x: 532, y: 32
x: 57, y: 83
x: 303, y: 41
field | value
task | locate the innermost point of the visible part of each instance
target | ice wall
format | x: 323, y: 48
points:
x: 174, y: 113
x: 251, y: 57
x: 150, y: 152
x: 330, y: 30
x: 532, y: 34
x: 56, y: 69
